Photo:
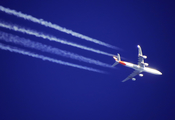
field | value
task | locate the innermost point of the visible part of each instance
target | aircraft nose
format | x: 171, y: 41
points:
x: 159, y: 73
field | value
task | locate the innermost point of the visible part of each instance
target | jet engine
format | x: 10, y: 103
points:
x: 141, y: 75
x: 144, y: 56
x: 134, y: 79
x: 146, y: 64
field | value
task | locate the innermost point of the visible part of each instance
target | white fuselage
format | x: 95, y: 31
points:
x: 141, y: 69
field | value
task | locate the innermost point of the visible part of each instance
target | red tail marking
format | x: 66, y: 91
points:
x: 115, y: 58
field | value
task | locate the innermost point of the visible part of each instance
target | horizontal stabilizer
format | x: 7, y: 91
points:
x: 115, y: 64
x: 119, y: 59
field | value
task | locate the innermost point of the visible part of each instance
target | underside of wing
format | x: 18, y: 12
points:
x: 140, y: 58
x: 133, y: 74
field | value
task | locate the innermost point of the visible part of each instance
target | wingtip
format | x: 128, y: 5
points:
x: 138, y: 46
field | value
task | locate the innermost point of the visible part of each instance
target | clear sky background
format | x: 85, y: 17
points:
x: 33, y: 89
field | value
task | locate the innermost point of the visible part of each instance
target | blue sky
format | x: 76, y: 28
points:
x: 35, y: 89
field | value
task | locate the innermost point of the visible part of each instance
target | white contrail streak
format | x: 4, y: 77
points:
x: 23, y: 52
x: 54, y: 26
x: 49, y: 37
x: 45, y: 48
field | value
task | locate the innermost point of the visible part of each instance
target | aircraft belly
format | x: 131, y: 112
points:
x: 134, y: 66
x: 129, y: 65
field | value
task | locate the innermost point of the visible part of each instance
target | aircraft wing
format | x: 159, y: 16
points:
x: 140, y: 59
x: 133, y: 74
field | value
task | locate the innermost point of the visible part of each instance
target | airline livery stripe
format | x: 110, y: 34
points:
x: 121, y: 62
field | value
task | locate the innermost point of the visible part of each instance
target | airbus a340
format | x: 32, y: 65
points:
x: 140, y: 67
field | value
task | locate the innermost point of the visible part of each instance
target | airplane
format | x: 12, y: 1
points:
x: 139, y: 68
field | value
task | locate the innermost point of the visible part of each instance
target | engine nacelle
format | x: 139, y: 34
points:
x: 144, y: 56
x: 141, y: 75
x: 146, y: 64
x: 133, y: 79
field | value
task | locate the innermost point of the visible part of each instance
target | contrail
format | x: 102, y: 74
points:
x: 49, y: 37
x: 54, y: 26
x: 45, y: 48
x: 23, y: 52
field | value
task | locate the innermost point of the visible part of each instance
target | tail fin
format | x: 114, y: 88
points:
x: 117, y: 59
